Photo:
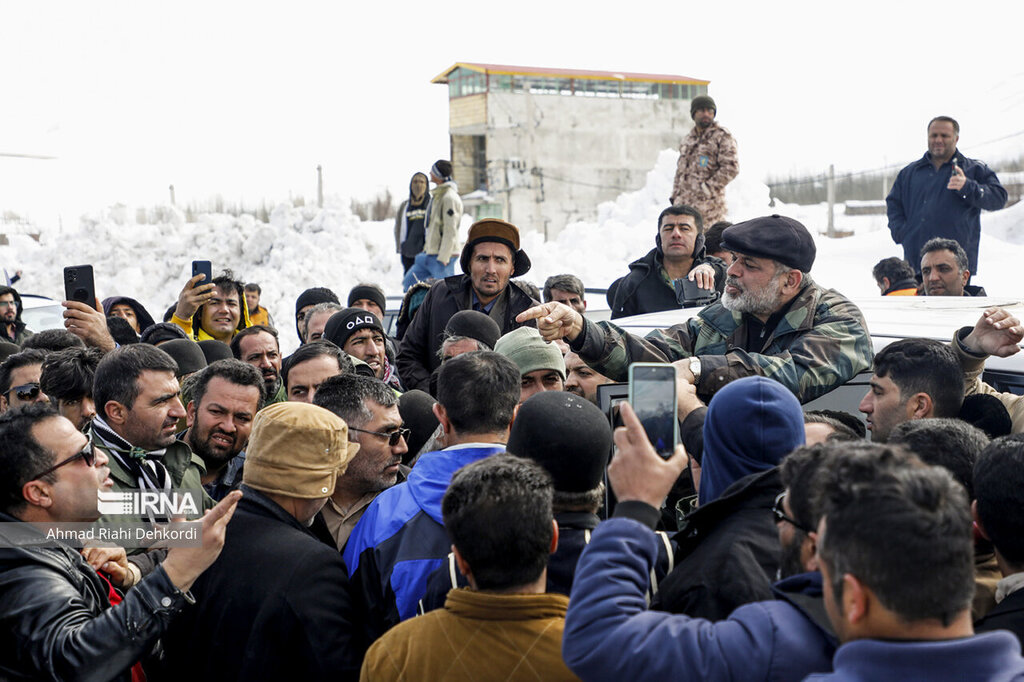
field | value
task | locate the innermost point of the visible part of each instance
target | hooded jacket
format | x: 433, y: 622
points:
x: 400, y: 539
x: 646, y: 290
x: 141, y: 314
x: 442, y: 238
x: 20, y: 332
x: 197, y: 333
x: 406, y: 243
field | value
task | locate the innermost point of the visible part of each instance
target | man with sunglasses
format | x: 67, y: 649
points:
x: 785, y: 638
x: 57, y: 620
x: 370, y: 408
x: 19, y: 379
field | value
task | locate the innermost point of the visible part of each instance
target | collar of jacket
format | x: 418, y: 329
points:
x: 255, y: 502
x: 575, y: 519
x: 926, y: 160
x: 753, y: 491
x: 800, y: 317
x: 468, y: 603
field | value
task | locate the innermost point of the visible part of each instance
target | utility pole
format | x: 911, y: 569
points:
x: 831, y: 192
x: 319, y: 186
x: 172, y: 196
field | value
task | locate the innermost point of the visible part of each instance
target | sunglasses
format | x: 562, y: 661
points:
x: 392, y: 436
x: 780, y: 514
x: 26, y: 392
x: 86, y: 453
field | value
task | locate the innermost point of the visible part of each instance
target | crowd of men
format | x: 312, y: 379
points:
x: 448, y: 501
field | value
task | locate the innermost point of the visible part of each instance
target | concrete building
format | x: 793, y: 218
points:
x: 543, y: 147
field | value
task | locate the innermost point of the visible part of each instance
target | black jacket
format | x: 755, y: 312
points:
x: 417, y: 357
x: 274, y: 606
x: 728, y: 552
x: 644, y: 291
x: 56, y: 621
x: 1006, y: 615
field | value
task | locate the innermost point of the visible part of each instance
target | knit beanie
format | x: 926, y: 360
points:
x: 567, y: 435
x: 530, y: 352
x: 298, y: 450
x: 702, y: 102
x: 371, y: 292
x: 215, y: 350
x: 474, y: 324
x: 161, y: 332
x: 312, y: 297
x: 347, y: 322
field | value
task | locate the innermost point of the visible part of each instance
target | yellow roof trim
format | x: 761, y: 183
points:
x: 580, y: 74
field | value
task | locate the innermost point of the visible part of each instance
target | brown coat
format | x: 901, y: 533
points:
x: 476, y: 636
x: 707, y: 163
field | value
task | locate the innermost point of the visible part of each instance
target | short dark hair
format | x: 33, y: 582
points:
x: 234, y: 371
x: 236, y: 342
x: 226, y: 281
x: 893, y: 268
x: 479, y: 391
x: 497, y: 513
x: 118, y: 372
x: 946, y: 119
x: 880, y: 502
x: 529, y: 287
x: 924, y: 366
x: 801, y: 473
x: 21, y: 456
x: 999, y: 490
x: 840, y: 430
x: 851, y: 421
x: 32, y: 356
x: 315, y: 349
x: 951, y: 245
x: 445, y: 167
x: 50, y: 340
x: 683, y: 209
x: 252, y: 286
x: 346, y: 394
x: 570, y: 283
x: 319, y: 308
x: 713, y: 237
x: 68, y: 374
x: 949, y: 443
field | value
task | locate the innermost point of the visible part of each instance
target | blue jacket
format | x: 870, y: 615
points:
x: 992, y: 656
x: 920, y: 207
x: 610, y: 634
x: 400, y: 539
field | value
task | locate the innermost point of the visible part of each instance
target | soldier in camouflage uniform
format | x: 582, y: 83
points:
x: 707, y: 163
x: 772, y: 321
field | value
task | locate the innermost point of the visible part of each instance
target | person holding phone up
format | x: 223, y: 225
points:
x: 773, y: 320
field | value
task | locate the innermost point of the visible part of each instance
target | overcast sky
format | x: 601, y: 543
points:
x: 245, y: 99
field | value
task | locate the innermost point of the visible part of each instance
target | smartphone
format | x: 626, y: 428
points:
x: 690, y: 294
x: 202, y: 267
x: 652, y: 395
x: 79, y: 285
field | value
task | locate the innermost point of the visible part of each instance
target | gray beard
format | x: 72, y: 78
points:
x: 763, y: 302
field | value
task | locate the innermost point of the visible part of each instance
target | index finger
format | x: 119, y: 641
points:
x: 224, y: 509
x: 534, y: 313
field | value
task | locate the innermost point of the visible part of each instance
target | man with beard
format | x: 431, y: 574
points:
x: 581, y: 379
x: 11, y: 326
x: 316, y: 320
x: 772, y: 321
x: 782, y: 639
x: 370, y: 408
x: 225, y: 398
x: 258, y: 346
x: 137, y: 413
x: 311, y: 365
x: 707, y: 163
x: 360, y: 333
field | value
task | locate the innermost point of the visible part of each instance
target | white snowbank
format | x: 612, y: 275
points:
x: 304, y: 246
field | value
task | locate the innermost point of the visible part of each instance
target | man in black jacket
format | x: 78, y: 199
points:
x: 490, y: 258
x: 655, y: 282
x: 56, y: 617
x: 276, y: 605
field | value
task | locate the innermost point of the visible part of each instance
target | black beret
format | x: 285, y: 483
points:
x: 567, y: 435
x: 187, y: 354
x: 347, y: 322
x: 777, y: 237
x: 371, y: 292
x: 474, y: 325
x: 215, y: 350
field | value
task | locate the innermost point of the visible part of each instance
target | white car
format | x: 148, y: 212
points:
x: 889, y: 318
x: 39, y: 313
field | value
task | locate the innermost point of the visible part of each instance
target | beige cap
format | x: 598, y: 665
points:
x: 297, y: 450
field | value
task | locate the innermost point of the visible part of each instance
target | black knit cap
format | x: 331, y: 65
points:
x: 187, y: 354
x: 162, y: 331
x: 215, y: 350
x: 417, y: 410
x: 567, y: 435
x: 474, y: 325
x: 371, y: 292
x: 777, y: 237
x: 347, y: 322
x: 702, y: 102
x: 494, y: 230
x: 314, y: 296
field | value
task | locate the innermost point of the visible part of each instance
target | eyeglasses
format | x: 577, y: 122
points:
x: 86, y: 453
x: 392, y: 436
x: 26, y: 392
x: 8, y: 304
x: 780, y: 514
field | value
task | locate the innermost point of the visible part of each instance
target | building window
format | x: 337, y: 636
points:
x: 479, y: 162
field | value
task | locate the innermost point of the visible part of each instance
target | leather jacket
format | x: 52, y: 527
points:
x: 56, y: 621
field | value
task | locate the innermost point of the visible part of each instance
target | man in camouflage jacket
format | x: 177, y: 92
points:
x: 772, y: 321
x: 707, y: 163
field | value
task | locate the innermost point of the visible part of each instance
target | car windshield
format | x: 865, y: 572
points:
x: 44, y: 314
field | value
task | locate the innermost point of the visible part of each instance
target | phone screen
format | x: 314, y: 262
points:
x: 653, y: 398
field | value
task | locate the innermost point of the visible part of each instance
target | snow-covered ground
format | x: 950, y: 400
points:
x: 304, y: 246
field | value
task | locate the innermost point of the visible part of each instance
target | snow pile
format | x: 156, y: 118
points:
x: 305, y: 246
